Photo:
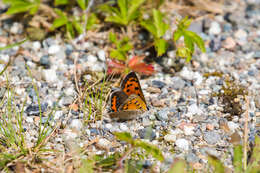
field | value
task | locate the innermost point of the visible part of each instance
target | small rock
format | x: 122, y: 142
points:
x: 104, y: 143
x: 211, y: 137
x: 188, y: 130
x: 158, y: 84
x: 53, y: 49
x: 177, y: 83
x: 241, y: 35
x: 76, y: 124
x: 58, y: 115
x: 163, y: 115
x: 229, y: 43
x: 36, y: 45
x: 92, y: 59
x: 186, y: 73
x: 101, y: 55
x: 147, y: 133
x: 34, y: 109
x: 194, y: 109
x: 191, y: 158
x: 215, y: 28
x: 17, y: 28
x: 210, y: 127
x: 170, y: 138
x: 153, y: 90
x: 157, y: 103
x: 182, y: 144
x: 123, y: 127
x: 67, y: 100
x: 50, y: 75
x: 232, y: 126
x: 45, y: 61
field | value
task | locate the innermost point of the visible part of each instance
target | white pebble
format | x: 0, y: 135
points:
x: 188, y: 130
x: 215, y: 28
x: 101, y: 55
x: 182, y: 144
x: 76, y: 124
x: 123, y: 127
x: 170, y: 138
x: 53, y: 49
x: 50, y: 75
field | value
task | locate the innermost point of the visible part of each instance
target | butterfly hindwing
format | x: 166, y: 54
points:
x: 133, y: 102
x: 131, y: 85
x: 118, y: 97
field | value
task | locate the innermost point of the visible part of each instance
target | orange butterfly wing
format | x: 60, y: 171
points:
x: 133, y: 102
x: 118, y: 97
x: 131, y: 85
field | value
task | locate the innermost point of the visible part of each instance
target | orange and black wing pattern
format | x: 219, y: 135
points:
x: 131, y: 85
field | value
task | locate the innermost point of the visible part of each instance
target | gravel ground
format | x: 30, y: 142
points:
x: 190, y: 110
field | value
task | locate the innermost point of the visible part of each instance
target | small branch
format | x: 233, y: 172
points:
x: 245, y: 135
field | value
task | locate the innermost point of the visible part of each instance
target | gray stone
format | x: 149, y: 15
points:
x: 212, y: 137
x: 177, y: 83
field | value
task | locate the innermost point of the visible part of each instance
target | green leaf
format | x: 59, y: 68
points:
x: 124, y: 136
x: 70, y: 30
x: 79, y: 28
x: 116, y: 54
x: 126, y: 47
x: 197, y: 39
x: 13, y: 45
x: 179, y: 166
x: 254, y: 166
x: 112, y: 37
x: 58, y: 22
x: 216, y: 164
x: 238, y: 157
x: 184, y: 52
x: 161, y: 46
x: 87, y: 166
x: 92, y: 20
x: 149, y: 26
x: 61, y: 2
x: 20, y: 6
x: 159, y: 24
x: 133, y: 12
x: 188, y: 43
x: 177, y: 34
x: 150, y: 149
x: 82, y: 4
x: 122, y: 4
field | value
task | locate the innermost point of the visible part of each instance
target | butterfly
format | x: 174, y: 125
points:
x: 128, y: 101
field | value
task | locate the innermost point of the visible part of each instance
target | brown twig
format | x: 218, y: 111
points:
x: 245, y: 135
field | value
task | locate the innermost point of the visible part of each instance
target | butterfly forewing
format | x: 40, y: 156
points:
x: 131, y: 85
x: 117, y: 99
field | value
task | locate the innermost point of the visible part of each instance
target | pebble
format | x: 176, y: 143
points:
x: 76, y: 124
x: 211, y: 137
x: 123, y: 127
x: 232, y: 126
x: 53, y: 49
x: 50, y: 75
x: 182, y: 144
x: 215, y: 28
x: 104, y: 143
x: 147, y: 133
x: 101, y: 55
x: 163, y: 114
x: 92, y: 59
x: 177, y: 83
x: 229, y: 43
x: 170, y: 138
x: 158, y: 84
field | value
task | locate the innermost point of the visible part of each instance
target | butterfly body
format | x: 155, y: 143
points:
x: 128, y: 101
